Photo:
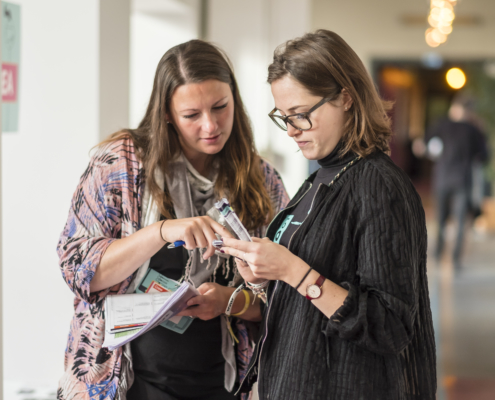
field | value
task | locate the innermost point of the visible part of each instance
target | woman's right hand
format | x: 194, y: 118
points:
x: 246, y: 272
x: 195, y: 232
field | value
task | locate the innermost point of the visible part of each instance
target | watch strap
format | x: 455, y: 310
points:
x: 319, y: 282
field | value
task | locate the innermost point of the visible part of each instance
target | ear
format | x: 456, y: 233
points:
x: 346, y: 99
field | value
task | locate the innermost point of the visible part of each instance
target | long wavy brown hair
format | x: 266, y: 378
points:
x: 240, y: 176
x: 325, y: 64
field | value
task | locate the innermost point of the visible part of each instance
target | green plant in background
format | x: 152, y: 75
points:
x: 481, y: 85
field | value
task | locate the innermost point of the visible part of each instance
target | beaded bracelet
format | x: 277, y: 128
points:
x: 263, y: 284
x: 258, y: 289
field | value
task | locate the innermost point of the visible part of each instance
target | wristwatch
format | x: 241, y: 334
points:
x: 313, y: 290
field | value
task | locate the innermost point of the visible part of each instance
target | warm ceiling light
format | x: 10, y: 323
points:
x: 446, y: 14
x: 447, y: 30
x: 448, y: 6
x: 456, y: 78
x: 438, y: 36
x: 435, y: 13
x: 429, y: 38
x: 437, y: 3
x: 432, y: 21
x: 440, y: 18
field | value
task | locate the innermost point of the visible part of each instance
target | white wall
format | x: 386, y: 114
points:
x: 249, y: 32
x: 41, y: 165
x: 155, y: 28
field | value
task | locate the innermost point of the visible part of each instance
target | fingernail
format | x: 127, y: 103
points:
x: 221, y: 251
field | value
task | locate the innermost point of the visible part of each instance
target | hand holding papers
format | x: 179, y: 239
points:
x: 154, y: 282
x: 124, y: 311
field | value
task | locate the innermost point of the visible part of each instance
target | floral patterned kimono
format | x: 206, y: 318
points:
x: 106, y: 206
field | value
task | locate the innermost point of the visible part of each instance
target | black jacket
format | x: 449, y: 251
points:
x: 463, y: 144
x: 366, y: 233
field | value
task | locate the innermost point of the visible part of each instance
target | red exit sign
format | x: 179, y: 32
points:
x: 9, y: 82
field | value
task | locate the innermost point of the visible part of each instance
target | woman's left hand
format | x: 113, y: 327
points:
x: 267, y: 260
x: 210, y: 304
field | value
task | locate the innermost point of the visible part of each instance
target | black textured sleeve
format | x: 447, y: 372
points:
x: 481, y: 148
x: 379, y: 311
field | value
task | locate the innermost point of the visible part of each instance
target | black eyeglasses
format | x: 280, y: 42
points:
x: 299, y: 121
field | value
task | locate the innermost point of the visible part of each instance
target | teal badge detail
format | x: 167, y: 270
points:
x: 282, y: 228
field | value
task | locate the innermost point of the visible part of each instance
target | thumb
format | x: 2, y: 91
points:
x: 204, y: 288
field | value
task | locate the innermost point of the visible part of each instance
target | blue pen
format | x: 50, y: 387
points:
x: 178, y: 243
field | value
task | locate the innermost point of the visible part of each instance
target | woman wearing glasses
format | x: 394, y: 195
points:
x: 148, y: 186
x: 343, y: 269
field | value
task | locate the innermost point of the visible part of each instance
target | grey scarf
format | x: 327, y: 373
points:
x: 193, y: 195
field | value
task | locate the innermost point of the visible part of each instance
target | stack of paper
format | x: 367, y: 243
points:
x: 150, y: 309
x: 154, y: 282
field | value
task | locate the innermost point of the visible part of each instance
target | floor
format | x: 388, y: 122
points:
x: 463, y: 306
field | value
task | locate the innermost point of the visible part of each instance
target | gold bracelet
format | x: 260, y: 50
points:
x: 246, y: 305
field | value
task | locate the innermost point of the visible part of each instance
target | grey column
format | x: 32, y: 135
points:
x: 114, y: 66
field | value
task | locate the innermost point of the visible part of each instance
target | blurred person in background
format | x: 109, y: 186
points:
x: 149, y: 186
x: 344, y: 265
x: 456, y: 146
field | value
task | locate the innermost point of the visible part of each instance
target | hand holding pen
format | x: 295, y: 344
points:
x: 175, y: 244
x: 216, y: 243
x: 196, y: 232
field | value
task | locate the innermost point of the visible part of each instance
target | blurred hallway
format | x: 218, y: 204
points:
x: 464, y: 317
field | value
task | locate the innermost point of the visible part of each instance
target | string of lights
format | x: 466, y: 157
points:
x: 440, y: 19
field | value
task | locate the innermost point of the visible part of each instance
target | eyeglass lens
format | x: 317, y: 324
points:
x: 297, y: 121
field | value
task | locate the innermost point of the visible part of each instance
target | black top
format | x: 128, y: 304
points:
x: 330, y: 166
x: 462, y: 144
x: 170, y: 365
x: 367, y: 233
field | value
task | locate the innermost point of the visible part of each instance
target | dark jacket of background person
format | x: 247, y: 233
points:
x: 463, y: 143
x: 367, y: 233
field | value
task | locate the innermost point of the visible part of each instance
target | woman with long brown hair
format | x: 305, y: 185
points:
x: 344, y: 265
x: 150, y: 186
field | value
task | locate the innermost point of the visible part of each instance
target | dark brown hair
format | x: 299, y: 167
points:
x: 240, y: 175
x: 325, y: 64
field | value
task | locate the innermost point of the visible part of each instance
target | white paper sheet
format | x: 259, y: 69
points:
x: 162, y: 309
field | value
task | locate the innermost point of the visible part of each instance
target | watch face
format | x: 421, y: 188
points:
x: 313, y: 291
